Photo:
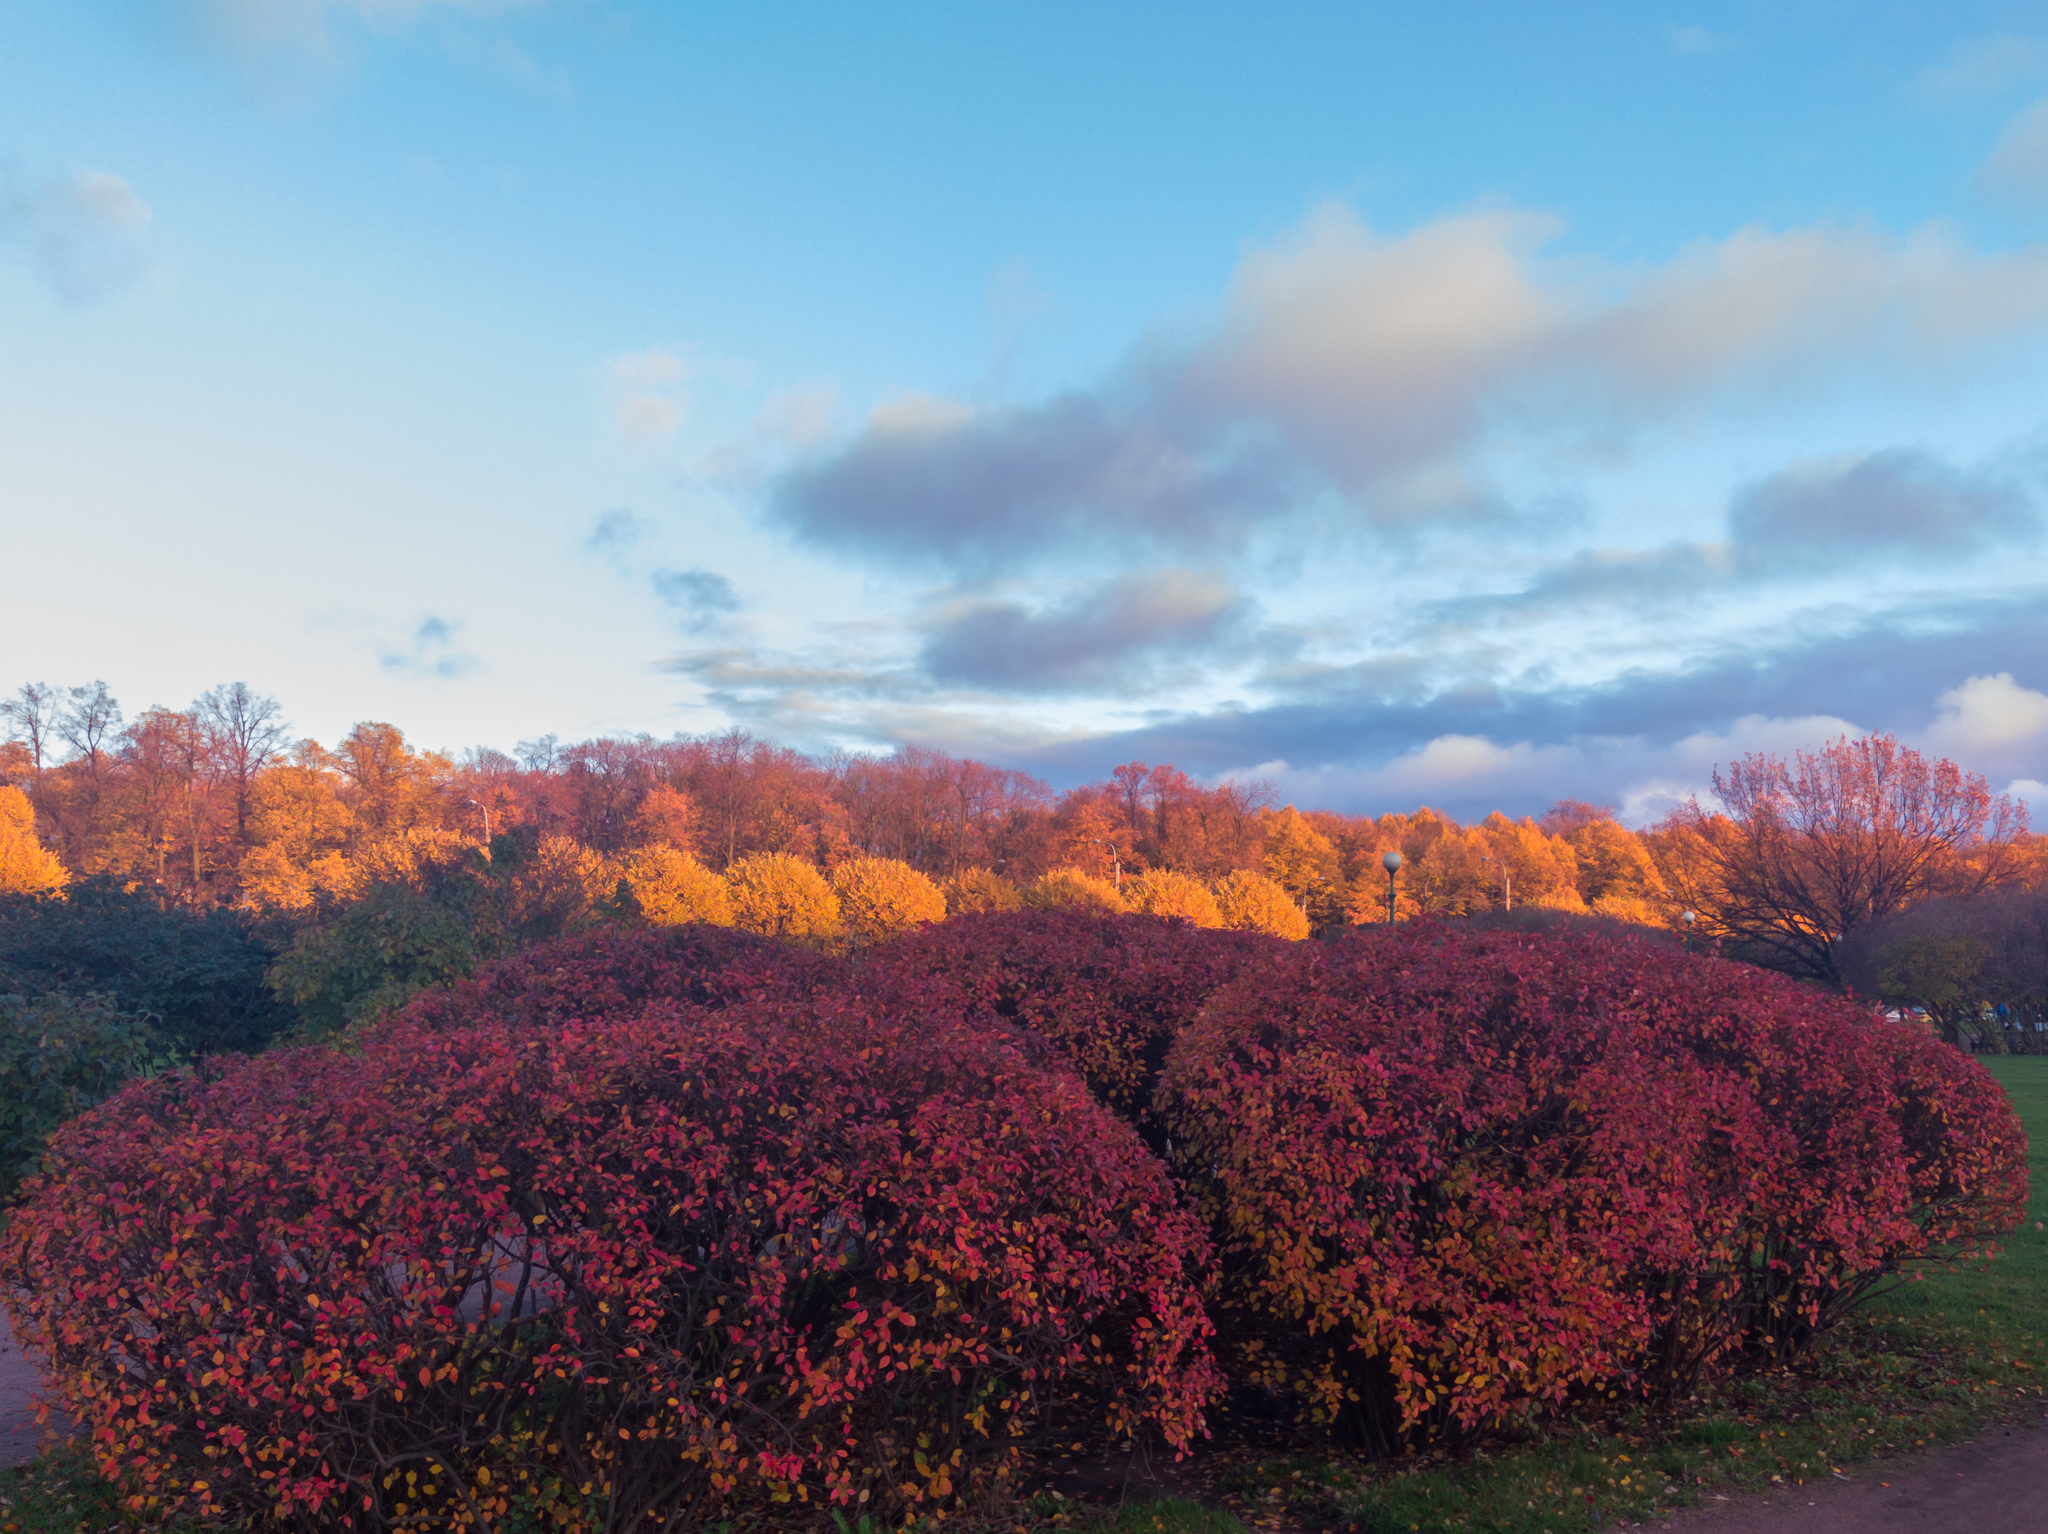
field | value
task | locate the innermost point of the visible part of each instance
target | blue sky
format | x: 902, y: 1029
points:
x: 1470, y: 405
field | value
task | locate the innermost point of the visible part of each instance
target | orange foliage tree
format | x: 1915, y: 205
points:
x: 1810, y: 849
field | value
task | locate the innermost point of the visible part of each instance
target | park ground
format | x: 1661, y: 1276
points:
x: 1925, y: 1412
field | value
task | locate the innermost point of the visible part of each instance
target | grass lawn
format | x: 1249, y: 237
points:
x: 1929, y: 1362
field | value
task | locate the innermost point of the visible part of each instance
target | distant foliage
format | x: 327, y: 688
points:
x: 1162, y: 892
x: 777, y: 895
x: 26, y: 866
x: 60, y: 1055
x: 881, y: 897
x: 1456, y: 1178
x: 682, y: 1266
x: 672, y: 889
x: 1108, y: 993
x: 1072, y: 889
x: 1249, y: 902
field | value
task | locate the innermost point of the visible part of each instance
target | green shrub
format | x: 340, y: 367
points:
x: 59, y: 1055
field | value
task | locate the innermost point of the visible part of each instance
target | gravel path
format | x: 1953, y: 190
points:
x: 18, y: 1434
x: 1996, y: 1484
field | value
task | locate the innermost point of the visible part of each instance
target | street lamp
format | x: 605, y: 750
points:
x: 1392, y: 864
x: 1688, y: 917
x: 1116, y: 862
x: 473, y: 804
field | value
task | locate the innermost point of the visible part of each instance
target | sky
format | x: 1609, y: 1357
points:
x: 1471, y: 405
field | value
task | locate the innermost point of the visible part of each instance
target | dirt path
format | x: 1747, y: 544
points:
x: 1995, y: 1484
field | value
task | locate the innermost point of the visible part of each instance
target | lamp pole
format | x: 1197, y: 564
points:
x: 1392, y: 864
x: 1688, y: 917
x: 1116, y: 862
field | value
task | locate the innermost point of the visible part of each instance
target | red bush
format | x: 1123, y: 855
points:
x: 583, y: 1276
x: 1108, y: 993
x: 615, y: 974
x: 1453, y: 1177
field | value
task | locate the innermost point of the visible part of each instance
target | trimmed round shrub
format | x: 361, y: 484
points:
x: 673, y: 889
x: 664, y: 1270
x: 880, y: 897
x: 1108, y: 994
x: 1457, y: 1177
x: 777, y: 895
x: 1073, y: 889
x: 1162, y: 892
x: 1251, y: 902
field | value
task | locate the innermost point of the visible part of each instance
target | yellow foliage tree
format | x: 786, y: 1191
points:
x: 26, y: 866
x: 563, y: 883
x: 673, y: 889
x: 1162, y: 892
x: 980, y: 889
x: 1072, y: 889
x: 880, y: 897
x: 778, y: 895
x: 1250, y: 902
x: 1299, y: 857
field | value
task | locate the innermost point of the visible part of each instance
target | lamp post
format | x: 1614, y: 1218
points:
x: 1688, y: 917
x: 473, y: 804
x: 1392, y: 864
x: 1116, y: 863
x: 1507, y: 881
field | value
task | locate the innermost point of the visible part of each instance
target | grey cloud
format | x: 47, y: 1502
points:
x: 432, y: 652
x: 1356, y: 377
x: 83, y: 232
x: 701, y: 599
x: 1883, y: 673
x: 1895, y: 503
x: 1102, y: 639
x: 977, y: 487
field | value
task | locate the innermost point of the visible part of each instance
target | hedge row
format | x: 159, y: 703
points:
x: 682, y: 1224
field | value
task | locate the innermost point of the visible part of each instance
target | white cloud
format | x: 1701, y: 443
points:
x: 1695, y: 41
x: 645, y: 394
x: 2018, y: 162
x: 1979, y: 66
x: 308, y: 24
x: 1993, y: 723
x: 83, y: 231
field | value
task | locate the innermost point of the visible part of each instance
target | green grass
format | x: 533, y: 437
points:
x: 1928, y: 1363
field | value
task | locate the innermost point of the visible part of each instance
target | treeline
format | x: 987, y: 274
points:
x: 218, y: 807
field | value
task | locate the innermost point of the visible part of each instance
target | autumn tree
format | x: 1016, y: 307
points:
x: 26, y: 866
x: 1251, y: 902
x: 1073, y: 889
x: 245, y: 732
x: 1165, y: 892
x: 777, y: 895
x: 981, y: 889
x: 1812, y: 848
x: 672, y: 889
x: 880, y: 897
